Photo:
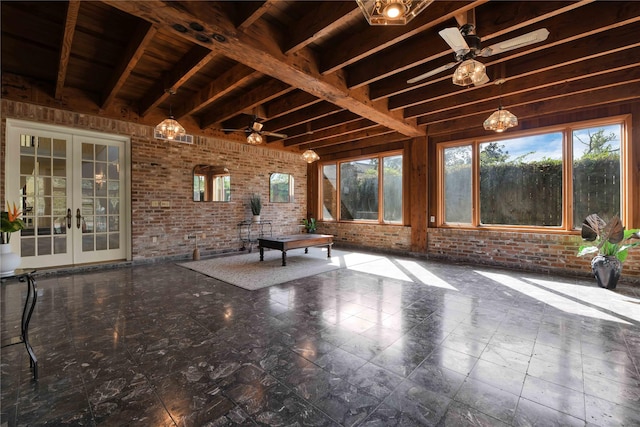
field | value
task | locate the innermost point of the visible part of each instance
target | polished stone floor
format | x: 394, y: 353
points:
x: 456, y: 345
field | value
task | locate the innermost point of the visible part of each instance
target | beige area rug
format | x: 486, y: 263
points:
x: 248, y: 272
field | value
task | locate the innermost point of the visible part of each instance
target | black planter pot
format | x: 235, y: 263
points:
x: 607, y: 270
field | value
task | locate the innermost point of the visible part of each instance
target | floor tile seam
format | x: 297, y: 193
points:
x: 509, y: 422
x: 521, y: 398
x: 629, y: 406
x: 633, y: 360
x: 582, y: 393
x: 292, y: 390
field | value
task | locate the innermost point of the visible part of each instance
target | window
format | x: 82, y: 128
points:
x: 367, y: 189
x: 280, y: 188
x: 535, y: 179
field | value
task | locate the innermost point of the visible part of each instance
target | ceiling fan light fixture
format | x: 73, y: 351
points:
x: 254, y: 138
x: 500, y: 120
x: 391, y: 12
x: 470, y: 72
x: 310, y: 156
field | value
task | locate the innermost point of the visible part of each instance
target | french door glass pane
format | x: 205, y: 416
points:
x: 392, y: 188
x: 44, y: 194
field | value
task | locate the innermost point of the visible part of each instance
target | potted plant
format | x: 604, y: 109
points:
x: 610, y: 243
x: 256, y: 206
x: 10, y: 222
x: 309, y: 224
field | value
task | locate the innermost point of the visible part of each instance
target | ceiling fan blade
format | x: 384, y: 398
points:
x: 455, y: 40
x: 233, y: 130
x: 277, y: 135
x: 431, y: 73
x: 516, y: 42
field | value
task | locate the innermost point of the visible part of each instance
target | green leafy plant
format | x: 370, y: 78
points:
x: 256, y: 204
x: 607, y: 239
x: 10, y: 222
x: 309, y: 224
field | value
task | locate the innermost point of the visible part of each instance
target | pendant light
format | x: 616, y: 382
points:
x: 169, y: 128
x: 310, y: 156
x: 501, y: 119
x: 391, y: 12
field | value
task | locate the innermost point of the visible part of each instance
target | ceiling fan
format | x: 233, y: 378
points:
x: 254, y: 132
x: 466, y: 47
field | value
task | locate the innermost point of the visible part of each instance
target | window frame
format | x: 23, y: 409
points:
x: 337, y: 163
x: 567, y: 168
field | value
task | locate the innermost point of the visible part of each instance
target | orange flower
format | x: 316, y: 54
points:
x: 13, y: 214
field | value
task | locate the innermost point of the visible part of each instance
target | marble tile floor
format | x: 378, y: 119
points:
x: 455, y: 345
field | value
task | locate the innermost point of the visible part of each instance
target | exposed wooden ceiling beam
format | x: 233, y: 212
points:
x: 303, y: 115
x: 264, y: 55
x: 270, y: 90
x: 627, y: 91
x: 255, y: 13
x: 361, y: 146
x: 65, y: 47
x: 332, y: 132
x: 320, y: 22
x: 353, y: 136
x: 135, y: 49
x: 572, y: 56
x: 373, y: 39
x: 421, y: 49
x: 520, y: 101
x: 513, y: 87
x: 327, y: 122
x: 289, y: 103
x: 188, y: 66
x: 566, y: 28
x: 216, y: 89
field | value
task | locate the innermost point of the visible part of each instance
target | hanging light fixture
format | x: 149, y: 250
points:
x: 169, y: 128
x: 254, y: 138
x: 310, y: 156
x: 470, y: 72
x: 501, y: 119
x: 391, y: 12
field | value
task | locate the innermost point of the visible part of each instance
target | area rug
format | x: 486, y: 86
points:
x: 248, y: 272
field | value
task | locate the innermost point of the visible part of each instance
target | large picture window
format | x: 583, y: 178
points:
x: 550, y: 179
x: 365, y: 189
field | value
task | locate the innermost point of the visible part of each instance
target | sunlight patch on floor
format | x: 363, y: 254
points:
x: 603, y: 298
x: 550, y: 298
x: 423, y: 275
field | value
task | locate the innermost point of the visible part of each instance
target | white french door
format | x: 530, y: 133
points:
x: 72, y: 189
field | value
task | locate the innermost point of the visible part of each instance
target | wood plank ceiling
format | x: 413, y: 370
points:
x: 315, y: 70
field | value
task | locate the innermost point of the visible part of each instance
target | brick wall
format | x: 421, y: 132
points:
x: 525, y: 251
x: 162, y: 171
x: 375, y: 236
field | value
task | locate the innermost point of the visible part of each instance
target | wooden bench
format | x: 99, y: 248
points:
x: 295, y: 241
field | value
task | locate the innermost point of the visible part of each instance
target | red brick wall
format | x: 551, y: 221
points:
x: 162, y: 171
x: 375, y: 236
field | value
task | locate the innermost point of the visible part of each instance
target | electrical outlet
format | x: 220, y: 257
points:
x: 155, y: 204
x: 165, y: 203
x: 154, y: 239
x: 186, y: 237
x: 432, y: 219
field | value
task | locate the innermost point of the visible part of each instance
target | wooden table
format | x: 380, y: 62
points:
x: 295, y: 241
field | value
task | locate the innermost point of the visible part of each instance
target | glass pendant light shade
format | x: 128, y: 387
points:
x: 169, y: 128
x: 500, y: 120
x: 254, y: 138
x: 310, y: 156
x: 470, y: 72
x: 391, y: 12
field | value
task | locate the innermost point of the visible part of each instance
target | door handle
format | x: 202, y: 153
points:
x: 69, y: 218
x: 78, y: 218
